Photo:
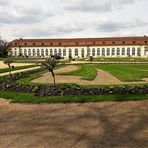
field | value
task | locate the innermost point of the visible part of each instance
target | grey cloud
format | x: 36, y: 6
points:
x: 118, y: 26
x: 96, y: 6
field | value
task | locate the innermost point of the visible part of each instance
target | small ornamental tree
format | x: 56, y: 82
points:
x: 50, y: 65
x: 8, y: 62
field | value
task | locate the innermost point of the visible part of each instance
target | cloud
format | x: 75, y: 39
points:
x: 95, y: 5
x: 118, y: 26
x: 3, y: 2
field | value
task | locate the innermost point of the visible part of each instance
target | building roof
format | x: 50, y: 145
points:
x: 116, y: 41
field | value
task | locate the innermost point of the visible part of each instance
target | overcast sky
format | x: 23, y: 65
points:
x: 72, y: 18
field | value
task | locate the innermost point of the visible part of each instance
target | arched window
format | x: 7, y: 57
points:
x: 82, y: 52
x: 108, y: 51
x: 46, y: 52
x: 51, y: 53
x: 93, y: 52
x: 25, y: 52
x: 103, y: 52
x: 118, y: 51
x: 29, y: 52
x: 64, y: 52
x: 55, y: 51
x: 133, y: 51
x: 70, y: 52
x: 145, y: 51
x: 88, y: 51
x: 113, y: 51
x: 34, y: 52
x: 139, y: 51
x: 38, y: 52
x: 60, y: 52
x: 123, y: 51
x: 42, y: 52
x: 98, y: 51
x: 76, y: 52
x: 128, y: 51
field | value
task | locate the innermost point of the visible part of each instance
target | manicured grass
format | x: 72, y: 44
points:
x: 121, y: 59
x: 30, y: 98
x: 17, y: 68
x: 88, y: 72
x: 124, y: 72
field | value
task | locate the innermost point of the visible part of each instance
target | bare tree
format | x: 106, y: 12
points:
x: 50, y: 65
x: 8, y: 62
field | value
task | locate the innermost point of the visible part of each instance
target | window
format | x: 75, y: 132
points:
x: 29, y: 52
x: 70, y: 52
x: 55, y: 52
x: 118, y: 51
x: 98, y: 51
x: 77, y: 43
x: 94, y: 43
x: 146, y: 51
x: 145, y: 42
x: 88, y: 51
x: 51, y: 53
x: 128, y: 51
x: 42, y: 52
x: 46, y: 52
x: 134, y: 42
x: 51, y: 44
x: 113, y: 42
x: 139, y: 51
x: 38, y: 52
x: 103, y: 42
x: 113, y: 51
x: 60, y: 43
x: 103, y: 52
x: 33, y: 43
x: 60, y: 51
x: 42, y: 43
x: 82, y: 52
x: 123, y: 51
x: 123, y: 42
x: 64, y: 52
x: 93, y: 52
x: 76, y: 52
x: 108, y: 51
x: 25, y: 44
x: 15, y: 43
x: 25, y: 51
x: 133, y: 51
x: 34, y: 52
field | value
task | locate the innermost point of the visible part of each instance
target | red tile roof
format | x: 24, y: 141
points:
x: 80, y: 42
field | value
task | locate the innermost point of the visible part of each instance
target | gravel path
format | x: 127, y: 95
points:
x: 88, y: 125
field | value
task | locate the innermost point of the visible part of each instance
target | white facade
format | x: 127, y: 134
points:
x: 80, y: 52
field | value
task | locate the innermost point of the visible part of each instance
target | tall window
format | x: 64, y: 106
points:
x: 123, y: 51
x: 139, y: 52
x: 88, y: 51
x: 118, y: 51
x: 51, y: 53
x: 70, y: 52
x: 98, y: 52
x: 82, y: 52
x: 25, y: 52
x: 60, y: 51
x: 76, y: 52
x: 42, y: 52
x: 38, y: 52
x: 55, y: 51
x: 113, y: 51
x: 29, y: 52
x: 145, y: 51
x: 128, y: 51
x: 64, y: 52
x: 46, y: 52
x: 93, y: 52
x: 133, y: 51
x: 108, y: 51
x: 34, y: 53
x: 103, y: 52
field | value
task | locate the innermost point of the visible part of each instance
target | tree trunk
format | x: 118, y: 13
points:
x: 53, y: 78
x: 10, y: 71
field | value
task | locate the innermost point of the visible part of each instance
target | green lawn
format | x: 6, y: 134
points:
x: 17, y: 68
x: 30, y: 98
x: 124, y: 72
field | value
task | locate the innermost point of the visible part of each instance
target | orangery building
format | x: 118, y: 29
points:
x: 81, y: 47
